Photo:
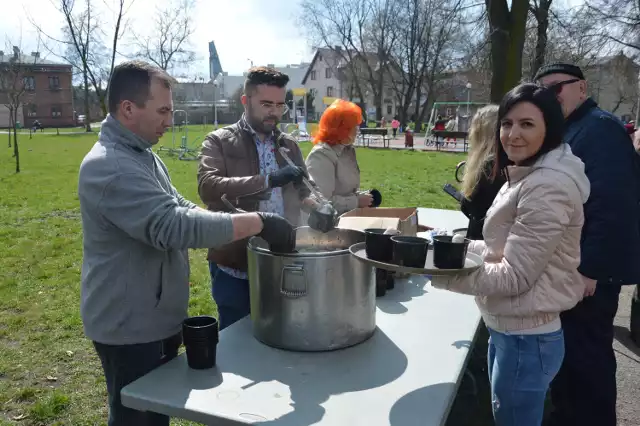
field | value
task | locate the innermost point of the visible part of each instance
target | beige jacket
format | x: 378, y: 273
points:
x: 532, y: 245
x: 335, y: 171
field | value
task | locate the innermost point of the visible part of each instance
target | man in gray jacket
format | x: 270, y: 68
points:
x: 137, y: 230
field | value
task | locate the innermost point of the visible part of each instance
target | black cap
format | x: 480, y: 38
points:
x: 559, y: 68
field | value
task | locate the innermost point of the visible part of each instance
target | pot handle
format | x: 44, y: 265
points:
x: 293, y: 281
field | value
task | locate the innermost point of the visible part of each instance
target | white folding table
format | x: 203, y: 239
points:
x: 406, y: 374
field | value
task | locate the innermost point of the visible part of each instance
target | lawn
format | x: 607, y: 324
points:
x: 49, y: 373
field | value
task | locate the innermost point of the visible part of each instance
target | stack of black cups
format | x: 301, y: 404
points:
x: 200, y: 337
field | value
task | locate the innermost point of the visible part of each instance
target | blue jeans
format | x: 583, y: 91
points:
x: 231, y: 295
x: 124, y: 364
x: 521, y: 368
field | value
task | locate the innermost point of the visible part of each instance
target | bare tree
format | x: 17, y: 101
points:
x: 508, y: 28
x: 540, y: 10
x: 436, y: 54
x: 83, y: 47
x: 576, y: 35
x: 167, y: 44
x: 16, y: 89
x: 359, y: 33
x: 620, y: 19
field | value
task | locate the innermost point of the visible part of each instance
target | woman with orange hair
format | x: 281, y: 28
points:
x: 332, y: 163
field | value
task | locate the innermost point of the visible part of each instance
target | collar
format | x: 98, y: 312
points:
x: 546, y: 160
x: 111, y: 129
x: 581, y: 111
x: 341, y: 148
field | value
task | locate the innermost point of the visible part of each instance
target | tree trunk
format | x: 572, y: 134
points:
x: 16, y: 152
x: 87, y: 112
x: 508, y: 29
x: 542, y: 18
x: 10, y: 126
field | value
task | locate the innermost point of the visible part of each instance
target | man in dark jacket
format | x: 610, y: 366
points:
x: 584, y: 391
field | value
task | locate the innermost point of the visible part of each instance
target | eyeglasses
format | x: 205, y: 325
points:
x: 279, y: 108
x: 557, y: 87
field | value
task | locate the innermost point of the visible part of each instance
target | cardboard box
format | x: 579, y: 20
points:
x: 403, y: 219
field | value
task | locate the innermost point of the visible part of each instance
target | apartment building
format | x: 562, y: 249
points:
x: 331, y: 76
x: 48, y: 92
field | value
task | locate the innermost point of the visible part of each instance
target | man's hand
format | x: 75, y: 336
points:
x: 277, y: 232
x: 285, y: 175
x: 589, y: 286
x: 365, y: 199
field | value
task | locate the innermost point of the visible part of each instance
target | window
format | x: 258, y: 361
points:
x: 389, y: 109
x: 29, y: 83
x: 54, y: 82
x: 32, y: 110
x: 56, y: 111
x: 313, y: 75
x: 327, y: 73
x: 330, y: 91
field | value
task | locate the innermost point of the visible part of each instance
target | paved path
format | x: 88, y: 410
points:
x: 418, y: 144
x: 628, y: 357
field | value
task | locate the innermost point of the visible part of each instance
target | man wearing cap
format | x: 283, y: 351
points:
x: 584, y: 391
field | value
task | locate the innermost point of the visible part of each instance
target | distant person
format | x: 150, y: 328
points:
x: 630, y: 127
x: 531, y: 253
x: 395, y: 124
x: 408, y: 138
x: 243, y: 161
x: 137, y: 229
x: 584, y: 392
x: 479, y: 188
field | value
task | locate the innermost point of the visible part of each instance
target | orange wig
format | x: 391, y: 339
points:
x: 337, y: 122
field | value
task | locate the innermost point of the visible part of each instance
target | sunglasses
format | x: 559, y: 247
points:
x: 557, y: 87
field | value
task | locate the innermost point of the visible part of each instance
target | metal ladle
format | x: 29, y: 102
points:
x: 323, y: 218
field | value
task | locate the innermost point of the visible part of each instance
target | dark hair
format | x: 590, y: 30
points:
x: 131, y: 80
x: 264, y: 75
x: 547, y: 102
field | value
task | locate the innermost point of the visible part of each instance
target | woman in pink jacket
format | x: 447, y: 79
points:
x: 531, y: 254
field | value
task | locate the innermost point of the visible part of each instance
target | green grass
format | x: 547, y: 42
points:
x: 49, y: 373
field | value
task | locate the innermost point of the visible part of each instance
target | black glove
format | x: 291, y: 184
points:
x: 285, y: 175
x: 278, y: 233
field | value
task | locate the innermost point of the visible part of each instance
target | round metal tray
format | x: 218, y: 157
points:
x: 472, y: 262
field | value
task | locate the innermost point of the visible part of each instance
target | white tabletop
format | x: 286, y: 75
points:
x: 406, y: 374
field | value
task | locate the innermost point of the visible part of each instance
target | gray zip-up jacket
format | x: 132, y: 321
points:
x: 137, y: 230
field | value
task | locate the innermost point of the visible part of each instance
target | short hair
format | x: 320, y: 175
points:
x: 131, y: 80
x: 337, y: 122
x: 264, y: 75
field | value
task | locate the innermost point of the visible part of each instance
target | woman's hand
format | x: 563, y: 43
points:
x: 365, y: 199
x: 589, y: 286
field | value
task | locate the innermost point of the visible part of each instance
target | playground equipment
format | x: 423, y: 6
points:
x: 183, y: 151
x: 462, y: 111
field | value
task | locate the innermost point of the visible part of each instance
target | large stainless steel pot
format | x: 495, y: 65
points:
x: 318, y: 299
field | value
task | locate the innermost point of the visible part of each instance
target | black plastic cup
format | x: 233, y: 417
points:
x: 200, y: 338
x: 447, y: 254
x: 377, y: 198
x: 410, y: 251
x: 378, y: 245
